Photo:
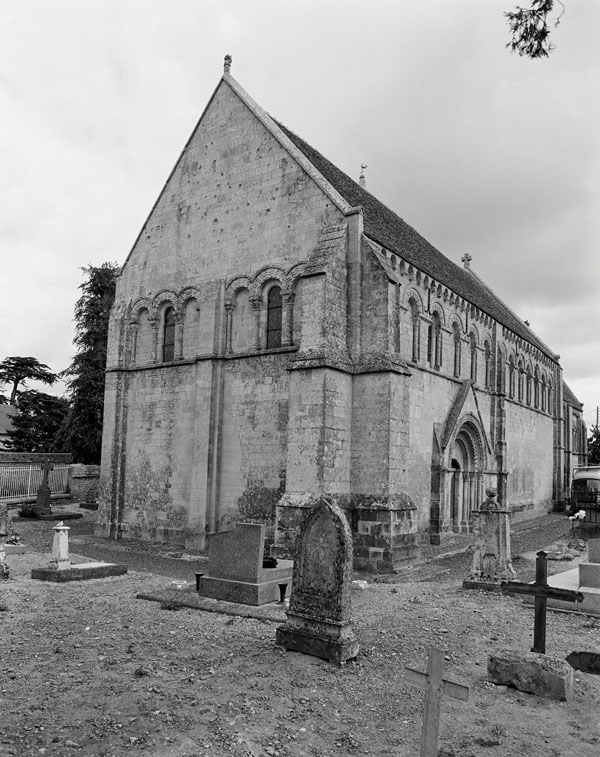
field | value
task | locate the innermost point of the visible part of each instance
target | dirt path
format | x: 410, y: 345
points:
x: 88, y: 669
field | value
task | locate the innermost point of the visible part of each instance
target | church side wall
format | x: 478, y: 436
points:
x: 530, y: 447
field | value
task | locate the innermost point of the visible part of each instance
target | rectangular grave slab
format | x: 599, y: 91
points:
x: 82, y: 572
x: 237, y: 555
x: 594, y: 550
x: 235, y: 568
x: 538, y: 674
x: 260, y: 592
x: 589, y: 574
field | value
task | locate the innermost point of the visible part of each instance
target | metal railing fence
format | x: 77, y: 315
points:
x: 23, y: 481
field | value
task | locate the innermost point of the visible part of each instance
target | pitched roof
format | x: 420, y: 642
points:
x: 569, y: 397
x: 389, y: 230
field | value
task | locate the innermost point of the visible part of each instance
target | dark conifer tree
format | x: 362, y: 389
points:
x: 82, y: 433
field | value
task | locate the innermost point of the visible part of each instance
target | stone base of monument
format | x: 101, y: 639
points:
x: 61, y: 516
x: 81, y: 572
x: 533, y: 673
x: 265, y: 590
x: 335, y: 642
x: 484, y: 585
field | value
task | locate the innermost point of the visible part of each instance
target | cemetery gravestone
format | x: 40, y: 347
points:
x: 42, y: 503
x: 318, y: 619
x: 542, y: 592
x: 533, y: 672
x: 60, y: 569
x: 492, y: 561
x: 4, y: 566
x: 235, y: 568
x: 3, y: 520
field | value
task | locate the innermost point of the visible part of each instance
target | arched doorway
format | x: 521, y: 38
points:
x: 467, y: 465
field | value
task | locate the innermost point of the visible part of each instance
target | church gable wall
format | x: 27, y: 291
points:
x: 235, y: 202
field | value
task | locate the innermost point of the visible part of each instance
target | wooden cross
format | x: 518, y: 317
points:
x: 542, y: 592
x: 435, y: 687
x: 46, y: 468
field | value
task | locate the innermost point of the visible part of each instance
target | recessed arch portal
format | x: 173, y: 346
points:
x: 466, y: 466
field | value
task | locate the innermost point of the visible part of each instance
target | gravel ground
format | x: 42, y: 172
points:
x: 88, y: 669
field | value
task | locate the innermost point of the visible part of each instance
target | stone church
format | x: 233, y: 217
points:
x: 279, y: 334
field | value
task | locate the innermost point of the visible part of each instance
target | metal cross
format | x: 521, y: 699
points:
x: 541, y: 591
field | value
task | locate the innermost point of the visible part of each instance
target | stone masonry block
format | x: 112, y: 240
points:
x: 533, y: 673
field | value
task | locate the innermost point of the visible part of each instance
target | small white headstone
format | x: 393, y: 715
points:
x: 60, y: 548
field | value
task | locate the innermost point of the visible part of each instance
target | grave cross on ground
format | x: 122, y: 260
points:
x: 541, y: 591
x: 435, y: 688
x: 42, y: 503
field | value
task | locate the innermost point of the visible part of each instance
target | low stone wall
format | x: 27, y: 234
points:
x: 34, y: 458
x: 84, y: 483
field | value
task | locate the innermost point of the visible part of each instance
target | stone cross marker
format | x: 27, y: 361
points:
x: 435, y: 688
x: 42, y: 503
x: 318, y: 619
x: 541, y: 591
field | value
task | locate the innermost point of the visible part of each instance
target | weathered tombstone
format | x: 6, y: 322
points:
x: 236, y: 571
x: 541, y: 591
x: 3, y: 520
x: 42, y: 502
x: 436, y: 686
x: 492, y: 560
x: 318, y: 619
x: 60, y: 569
x: 60, y: 548
x: 4, y: 566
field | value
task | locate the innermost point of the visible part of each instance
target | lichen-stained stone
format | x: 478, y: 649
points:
x: 319, y: 617
x: 534, y: 673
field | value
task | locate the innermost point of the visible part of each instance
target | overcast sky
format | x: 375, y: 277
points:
x: 481, y: 151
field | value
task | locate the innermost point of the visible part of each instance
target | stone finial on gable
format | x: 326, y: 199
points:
x: 227, y: 64
x: 466, y: 261
x: 361, y: 179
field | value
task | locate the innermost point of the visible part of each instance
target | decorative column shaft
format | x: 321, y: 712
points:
x: 287, y: 319
x: 154, y: 337
x: 178, y: 336
x: 228, y: 328
x: 256, y: 303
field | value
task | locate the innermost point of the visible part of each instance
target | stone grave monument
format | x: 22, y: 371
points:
x: 42, y: 502
x: 492, y: 560
x: 60, y: 569
x: 236, y: 570
x: 4, y: 566
x: 12, y: 543
x: 532, y: 671
x: 318, y: 619
x: 3, y: 521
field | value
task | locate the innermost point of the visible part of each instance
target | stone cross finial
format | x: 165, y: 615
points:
x: 361, y: 179
x: 227, y: 64
x: 466, y: 261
